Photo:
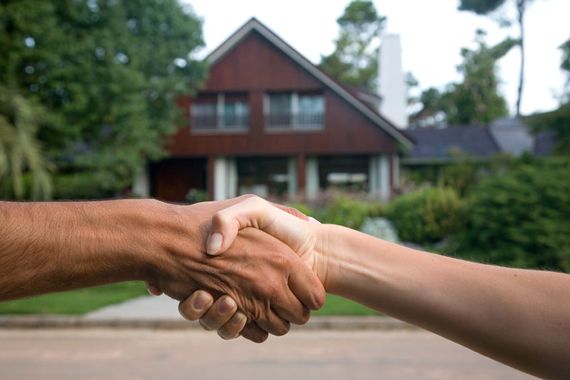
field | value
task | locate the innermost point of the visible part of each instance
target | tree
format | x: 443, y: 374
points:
x: 565, y: 65
x: 476, y: 99
x: 557, y: 121
x: 486, y: 7
x: 20, y: 152
x: 107, y: 73
x: 355, y: 59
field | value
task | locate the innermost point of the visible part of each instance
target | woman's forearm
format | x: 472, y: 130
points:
x: 519, y: 317
x: 46, y: 247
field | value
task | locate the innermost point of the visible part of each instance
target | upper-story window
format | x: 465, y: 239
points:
x: 220, y: 112
x: 294, y: 110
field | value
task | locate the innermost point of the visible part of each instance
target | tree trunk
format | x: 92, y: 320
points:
x: 520, y: 10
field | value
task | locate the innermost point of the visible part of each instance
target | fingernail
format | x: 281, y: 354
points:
x: 226, y: 305
x: 199, y: 302
x: 214, y: 243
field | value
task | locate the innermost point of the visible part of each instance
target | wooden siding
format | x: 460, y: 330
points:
x: 255, y: 66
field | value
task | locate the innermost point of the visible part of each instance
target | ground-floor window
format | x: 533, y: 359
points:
x: 264, y: 176
x: 348, y: 173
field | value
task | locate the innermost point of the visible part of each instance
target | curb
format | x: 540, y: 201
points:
x: 81, y: 322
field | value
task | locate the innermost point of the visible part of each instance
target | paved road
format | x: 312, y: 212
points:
x: 189, y: 354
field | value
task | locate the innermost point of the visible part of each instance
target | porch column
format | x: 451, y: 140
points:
x: 220, y: 178
x: 373, y: 182
x: 312, y: 178
x: 379, y: 177
x: 396, y: 171
x: 232, y: 177
x: 141, y: 183
x: 292, y: 177
x: 225, y: 178
x: 384, y: 174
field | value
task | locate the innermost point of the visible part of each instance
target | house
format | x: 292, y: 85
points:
x: 480, y: 143
x: 268, y: 121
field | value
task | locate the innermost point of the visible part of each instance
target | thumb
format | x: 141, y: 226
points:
x: 252, y: 212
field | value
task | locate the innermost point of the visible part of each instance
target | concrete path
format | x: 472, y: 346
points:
x: 191, y: 354
x: 143, y: 308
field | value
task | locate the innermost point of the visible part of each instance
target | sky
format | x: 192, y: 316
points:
x: 432, y: 34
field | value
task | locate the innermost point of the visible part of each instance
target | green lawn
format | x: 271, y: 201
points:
x: 86, y: 300
x: 75, y: 301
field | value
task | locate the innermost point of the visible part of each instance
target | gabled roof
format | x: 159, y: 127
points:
x: 254, y: 25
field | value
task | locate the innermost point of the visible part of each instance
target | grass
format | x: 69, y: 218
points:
x: 336, y: 305
x: 75, y: 301
x: 82, y: 301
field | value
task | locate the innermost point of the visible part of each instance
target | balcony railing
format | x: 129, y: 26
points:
x: 298, y: 121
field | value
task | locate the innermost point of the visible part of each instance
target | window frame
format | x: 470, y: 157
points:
x: 220, y: 127
x: 294, y: 125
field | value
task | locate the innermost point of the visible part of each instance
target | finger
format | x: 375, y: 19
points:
x: 232, y: 328
x: 258, y: 213
x: 219, y: 314
x: 291, y: 309
x: 306, y: 286
x: 195, y: 306
x: 153, y: 290
x: 227, y: 222
x: 274, y: 324
x: 253, y: 332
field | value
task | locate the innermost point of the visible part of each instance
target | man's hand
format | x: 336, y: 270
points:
x: 267, y: 281
x: 290, y: 227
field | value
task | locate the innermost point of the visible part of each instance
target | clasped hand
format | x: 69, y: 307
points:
x: 266, y: 278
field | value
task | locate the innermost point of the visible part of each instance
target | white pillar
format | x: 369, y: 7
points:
x: 312, y: 178
x: 220, y: 179
x: 396, y: 171
x: 232, y: 177
x: 384, y: 174
x: 141, y: 184
x: 379, y: 177
x: 225, y: 178
x: 292, y: 177
x: 373, y: 176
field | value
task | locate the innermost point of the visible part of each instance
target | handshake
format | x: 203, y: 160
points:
x: 263, y: 263
x: 267, y: 266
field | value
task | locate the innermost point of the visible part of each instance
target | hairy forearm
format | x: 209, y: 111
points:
x: 46, y: 247
x: 519, y: 317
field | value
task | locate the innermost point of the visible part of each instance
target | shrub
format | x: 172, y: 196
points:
x: 426, y: 216
x: 521, y: 218
x: 349, y: 212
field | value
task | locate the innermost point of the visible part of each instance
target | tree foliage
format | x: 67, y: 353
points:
x: 107, y: 74
x: 486, y: 7
x: 355, y: 59
x: 565, y: 65
x: 475, y: 100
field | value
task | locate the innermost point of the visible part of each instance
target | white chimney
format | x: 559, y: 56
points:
x: 392, y: 83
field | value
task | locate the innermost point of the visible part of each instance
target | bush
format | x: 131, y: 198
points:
x: 83, y: 186
x: 426, y: 216
x: 349, y: 212
x: 521, y: 218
